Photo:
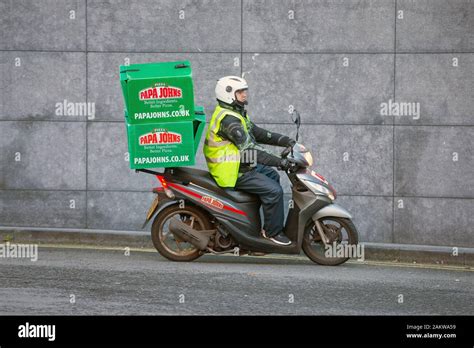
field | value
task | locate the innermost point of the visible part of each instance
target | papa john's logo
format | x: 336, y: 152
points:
x: 160, y: 136
x: 160, y: 92
x: 212, y: 201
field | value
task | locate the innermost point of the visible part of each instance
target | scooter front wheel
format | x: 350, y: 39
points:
x: 169, y: 245
x: 342, y: 239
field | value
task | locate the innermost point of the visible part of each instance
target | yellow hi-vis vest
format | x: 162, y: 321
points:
x: 222, y: 156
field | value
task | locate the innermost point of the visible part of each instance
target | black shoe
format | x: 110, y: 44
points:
x: 279, y: 239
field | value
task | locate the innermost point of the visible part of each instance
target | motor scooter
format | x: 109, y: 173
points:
x: 193, y: 216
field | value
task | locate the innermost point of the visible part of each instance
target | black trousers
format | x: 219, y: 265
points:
x: 264, y: 181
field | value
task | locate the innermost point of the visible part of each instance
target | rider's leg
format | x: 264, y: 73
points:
x: 271, y: 196
x: 268, y: 171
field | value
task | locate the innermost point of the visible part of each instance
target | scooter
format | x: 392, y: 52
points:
x: 194, y: 216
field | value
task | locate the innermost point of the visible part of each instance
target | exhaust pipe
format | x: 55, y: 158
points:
x: 200, y: 239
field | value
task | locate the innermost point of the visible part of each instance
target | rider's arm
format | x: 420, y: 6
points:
x: 271, y: 138
x: 232, y: 130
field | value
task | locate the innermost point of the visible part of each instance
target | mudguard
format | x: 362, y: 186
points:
x: 156, y: 209
x: 332, y: 210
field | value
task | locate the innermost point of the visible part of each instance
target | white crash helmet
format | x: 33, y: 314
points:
x: 227, y: 86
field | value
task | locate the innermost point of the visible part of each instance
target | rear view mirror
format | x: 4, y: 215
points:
x: 296, y: 118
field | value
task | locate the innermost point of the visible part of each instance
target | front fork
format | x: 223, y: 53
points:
x: 321, y: 233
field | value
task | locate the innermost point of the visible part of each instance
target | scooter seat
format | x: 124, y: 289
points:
x: 204, y: 179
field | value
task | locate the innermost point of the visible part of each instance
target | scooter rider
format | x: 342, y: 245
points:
x: 231, y: 140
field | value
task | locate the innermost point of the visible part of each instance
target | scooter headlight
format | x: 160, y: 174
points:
x: 318, y: 189
x: 309, y: 158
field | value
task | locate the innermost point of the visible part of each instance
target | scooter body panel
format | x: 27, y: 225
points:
x: 246, y: 215
x: 242, y: 220
x: 308, y: 204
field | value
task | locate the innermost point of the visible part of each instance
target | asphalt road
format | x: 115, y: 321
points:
x: 108, y: 282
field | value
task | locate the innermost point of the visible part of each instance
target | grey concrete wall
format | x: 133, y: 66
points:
x: 406, y: 179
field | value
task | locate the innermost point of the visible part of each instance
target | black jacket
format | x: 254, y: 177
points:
x: 231, y: 129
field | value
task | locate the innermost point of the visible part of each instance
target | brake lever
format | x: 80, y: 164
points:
x: 287, y: 151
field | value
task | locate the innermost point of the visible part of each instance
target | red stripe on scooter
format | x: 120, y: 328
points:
x: 179, y: 188
x: 235, y: 210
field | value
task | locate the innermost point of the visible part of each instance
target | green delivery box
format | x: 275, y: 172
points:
x: 161, y: 145
x: 165, y: 144
x: 164, y: 127
x: 158, y: 92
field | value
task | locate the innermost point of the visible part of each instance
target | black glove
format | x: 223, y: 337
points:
x: 284, y: 164
x: 287, y: 163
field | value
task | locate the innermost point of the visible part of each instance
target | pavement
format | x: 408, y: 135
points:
x: 395, y: 253
x: 93, y: 280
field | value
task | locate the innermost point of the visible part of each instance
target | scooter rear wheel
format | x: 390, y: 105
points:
x: 169, y: 245
x: 313, y: 246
